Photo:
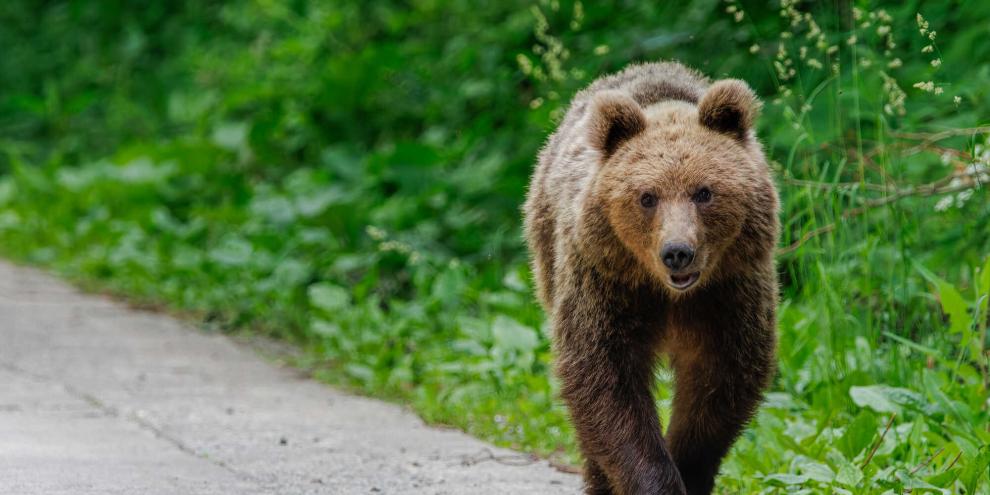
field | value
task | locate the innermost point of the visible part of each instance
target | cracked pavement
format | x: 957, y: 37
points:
x: 99, y: 398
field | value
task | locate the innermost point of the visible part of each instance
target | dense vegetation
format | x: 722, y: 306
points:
x: 347, y: 175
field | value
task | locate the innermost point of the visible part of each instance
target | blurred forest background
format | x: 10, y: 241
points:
x: 347, y: 175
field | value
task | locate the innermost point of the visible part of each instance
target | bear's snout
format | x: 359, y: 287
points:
x: 677, y: 255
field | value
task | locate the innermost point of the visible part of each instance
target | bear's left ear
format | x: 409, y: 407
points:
x: 730, y: 107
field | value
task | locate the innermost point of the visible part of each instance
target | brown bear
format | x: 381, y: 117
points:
x: 652, y: 222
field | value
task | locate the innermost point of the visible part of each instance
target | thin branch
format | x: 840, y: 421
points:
x: 836, y: 185
x: 941, y: 150
x: 805, y: 238
x: 929, y: 461
x: 486, y: 454
x: 931, y: 137
x: 564, y: 467
x: 876, y: 444
x: 926, y: 190
x: 953, y: 463
x: 939, y: 187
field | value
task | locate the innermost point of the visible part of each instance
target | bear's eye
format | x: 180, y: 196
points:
x: 648, y: 200
x: 703, y: 195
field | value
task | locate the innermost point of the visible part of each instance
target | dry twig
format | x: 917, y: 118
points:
x: 876, y: 445
x: 931, y: 137
x: 486, y: 454
x: 928, y: 461
x: 944, y: 185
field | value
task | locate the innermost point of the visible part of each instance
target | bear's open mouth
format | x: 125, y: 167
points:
x: 684, y: 281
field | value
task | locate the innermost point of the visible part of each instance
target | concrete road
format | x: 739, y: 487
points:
x: 96, y: 398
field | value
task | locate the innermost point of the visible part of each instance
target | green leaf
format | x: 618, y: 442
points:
x: 952, y: 303
x: 983, y: 294
x: 276, y: 209
x: 955, y: 306
x: 449, y: 286
x: 325, y: 328
x: 859, y: 434
x: 985, y: 278
x: 847, y: 473
x: 817, y: 471
x: 886, y: 399
x: 145, y: 171
x: 509, y: 334
x: 909, y: 483
x: 233, y: 251
x: 945, y: 478
x: 786, y: 479
x: 328, y: 297
x: 361, y: 372
x: 976, y: 469
x: 231, y: 135
x: 7, y: 191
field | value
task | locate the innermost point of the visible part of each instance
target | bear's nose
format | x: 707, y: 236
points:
x: 676, y: 255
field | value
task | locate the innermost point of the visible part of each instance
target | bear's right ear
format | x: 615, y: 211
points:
x: 614, y: 119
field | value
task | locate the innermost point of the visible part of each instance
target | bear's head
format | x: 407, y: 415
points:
x: 679, y: 183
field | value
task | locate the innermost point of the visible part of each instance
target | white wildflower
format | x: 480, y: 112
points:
x: 821, y: 44
x: 978, y: 171
x: 524, y: 64
x: 375, y: 232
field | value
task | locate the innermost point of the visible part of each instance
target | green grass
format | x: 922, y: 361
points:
x: 347, y: 177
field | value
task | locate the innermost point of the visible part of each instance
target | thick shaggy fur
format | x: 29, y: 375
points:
x: 663, y: 130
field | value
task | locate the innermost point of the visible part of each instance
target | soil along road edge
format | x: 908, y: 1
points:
x: 99, y: 398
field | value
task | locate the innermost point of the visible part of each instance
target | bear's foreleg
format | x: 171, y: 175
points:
x: 606, y: 385
x: 595, y: 479
x: 722, y: 365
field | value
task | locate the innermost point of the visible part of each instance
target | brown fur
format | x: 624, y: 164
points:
x: 660, y: 129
